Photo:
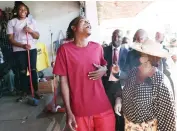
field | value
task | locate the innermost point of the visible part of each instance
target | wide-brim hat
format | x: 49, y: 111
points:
x: 151, y: 47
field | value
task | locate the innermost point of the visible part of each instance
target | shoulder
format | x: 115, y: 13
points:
x: 163, y: 82
x: 12, y: 21
x: 95, y: 46
x: 33, y: 21
x: 158, y: 77
x: 106, y: 49
x: 92, y: 43
x: 65, y: 45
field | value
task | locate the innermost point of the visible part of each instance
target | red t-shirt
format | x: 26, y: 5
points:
x: 88, y: 97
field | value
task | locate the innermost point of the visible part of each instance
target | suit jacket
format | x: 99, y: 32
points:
x: 108, y: 54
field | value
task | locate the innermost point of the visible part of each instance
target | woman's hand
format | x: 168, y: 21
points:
x: 28, y: 30
x: 26, y: 46
x: 118, y: 106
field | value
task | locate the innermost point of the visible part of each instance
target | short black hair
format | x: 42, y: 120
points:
x: 74, y: 22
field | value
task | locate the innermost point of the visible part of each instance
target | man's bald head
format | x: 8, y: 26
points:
x: 159, y: 37
x: 140, y: 36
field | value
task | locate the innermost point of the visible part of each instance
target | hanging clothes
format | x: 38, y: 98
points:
x: 42, y: 57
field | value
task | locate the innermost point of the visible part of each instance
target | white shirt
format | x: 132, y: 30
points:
x: 15, y: 26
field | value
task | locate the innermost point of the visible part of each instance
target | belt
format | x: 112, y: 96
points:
x: 113, y: 82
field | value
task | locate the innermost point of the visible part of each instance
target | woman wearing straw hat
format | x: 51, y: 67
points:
x: 146, y: 100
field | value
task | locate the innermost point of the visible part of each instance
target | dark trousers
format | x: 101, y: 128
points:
x: 21, y: 64
x: 111, y: 89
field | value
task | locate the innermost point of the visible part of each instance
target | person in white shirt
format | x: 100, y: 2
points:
x: 16, y: 30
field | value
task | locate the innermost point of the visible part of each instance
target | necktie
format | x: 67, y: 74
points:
x: 115, y: 56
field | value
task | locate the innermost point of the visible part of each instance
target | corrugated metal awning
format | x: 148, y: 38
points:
x: 120, y: 9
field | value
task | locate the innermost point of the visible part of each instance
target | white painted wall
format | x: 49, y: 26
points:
x: 52, y: 17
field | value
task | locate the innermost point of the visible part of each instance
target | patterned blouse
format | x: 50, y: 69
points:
x: 149, y: 100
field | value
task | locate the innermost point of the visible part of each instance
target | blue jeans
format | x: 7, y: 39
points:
x: 9, y: 80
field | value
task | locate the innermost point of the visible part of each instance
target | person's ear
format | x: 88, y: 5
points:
x: 73, y: 28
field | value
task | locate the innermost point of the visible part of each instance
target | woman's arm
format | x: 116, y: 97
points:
x: 33, y: 33
x: 18, y: 44
x: 14, y: 42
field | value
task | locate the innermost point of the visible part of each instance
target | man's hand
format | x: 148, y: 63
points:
x: 101, y: 70
x: 26, y: 47
x: 118, y: 106
x: 28, y: 30
x: 52, y: 64
x: 115, y: 69
x: 71, y: 121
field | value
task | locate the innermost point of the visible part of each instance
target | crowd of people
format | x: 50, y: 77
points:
x: 124, y: 86
x: 116, y: 87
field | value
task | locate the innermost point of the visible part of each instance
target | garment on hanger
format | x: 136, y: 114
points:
x: 42, y: 57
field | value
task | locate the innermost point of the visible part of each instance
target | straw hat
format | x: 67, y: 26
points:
x: 151, y: 47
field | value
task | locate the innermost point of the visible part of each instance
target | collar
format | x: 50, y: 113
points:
x: 118, y: 48
x: 125, y: 46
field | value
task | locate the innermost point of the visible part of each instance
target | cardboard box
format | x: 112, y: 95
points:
x: 47, y: 87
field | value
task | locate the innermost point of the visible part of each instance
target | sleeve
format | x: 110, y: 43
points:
x: 103, y: 62
x: 35, y: 26
x: 118, y: 93
x: 165, y: 109
x: 10, y: 29
x: 60, y: 67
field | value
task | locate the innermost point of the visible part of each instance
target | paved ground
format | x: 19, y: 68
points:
x: 23, y: 117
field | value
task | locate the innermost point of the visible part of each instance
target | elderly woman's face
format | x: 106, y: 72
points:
x: 143, y: 58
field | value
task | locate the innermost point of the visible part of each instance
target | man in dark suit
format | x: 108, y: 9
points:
x: 115, y: 57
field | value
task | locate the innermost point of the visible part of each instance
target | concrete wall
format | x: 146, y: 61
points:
x: 53, y: 17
